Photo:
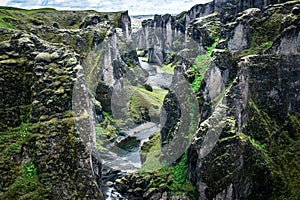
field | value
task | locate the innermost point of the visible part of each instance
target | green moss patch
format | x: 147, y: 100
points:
x: 146, y: 104
x: 263, y: 34
x: 106, y: 132
x: 172, y: 178
x: 280, y: 144
x: 150, y: 154
x: 18, y: 174
x: 200, y: 67
x: 169, y: 69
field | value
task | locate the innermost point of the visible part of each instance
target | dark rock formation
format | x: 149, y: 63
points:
x: 230, y: 121
x: 46, y: 77
x: 225, y: 149
x: 245, y: 102
x: 158, y: 35
x: 47, y: 127
x: 172, y: 108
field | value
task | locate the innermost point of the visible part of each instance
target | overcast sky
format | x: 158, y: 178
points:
x: 134, y: 6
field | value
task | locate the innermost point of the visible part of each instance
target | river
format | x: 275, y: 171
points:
x: 124, y: 153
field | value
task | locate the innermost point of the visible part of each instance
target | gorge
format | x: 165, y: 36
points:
x: 200, y: 105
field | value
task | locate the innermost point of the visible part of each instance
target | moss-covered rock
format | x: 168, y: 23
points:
x: 244, y: 105
x: 38, y: 128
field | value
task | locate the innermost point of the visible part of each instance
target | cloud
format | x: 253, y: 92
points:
x: 134, y: 6
x: 3, y: 2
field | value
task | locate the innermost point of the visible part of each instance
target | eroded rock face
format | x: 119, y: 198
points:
x: 239, y: 33
x: 244, y: 101
x: 272, y: 82
x: 222, y: 164
x: 46, y: 103
x: 158, y: 34
x: 288, y: 40
x: 204, y: 30
x: 66, y: 163
x: 220, y: 146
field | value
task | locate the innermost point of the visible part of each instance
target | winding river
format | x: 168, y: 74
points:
x: 126, y: 158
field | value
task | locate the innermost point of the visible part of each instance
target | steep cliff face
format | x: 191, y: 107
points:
x: 223, y: 157
x: 48, y: 139
x: 246, y: 103
x: 239, y: 59
x: 241, y: 62
x: 157, y: 35
x: 60, y: 160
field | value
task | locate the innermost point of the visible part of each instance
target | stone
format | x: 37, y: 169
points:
x: 60, y: 90
x: 54, y: 56
x: 55, y: 25
x: 156, y: 196
x: 296, y: 10
x: 43, y: 57
x: 164, y: 196
x: 72, y: 61
x: 148, y: 194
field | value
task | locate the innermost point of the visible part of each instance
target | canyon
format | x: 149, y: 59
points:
x: 200, y: 105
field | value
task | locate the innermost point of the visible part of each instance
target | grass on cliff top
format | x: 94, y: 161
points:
x: 11, y: 17
x: 142, y: 98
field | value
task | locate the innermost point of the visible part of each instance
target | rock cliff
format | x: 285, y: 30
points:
x: 241, y: 59
x: 230, y: 127
x: 228, y: 147
x: 159, y: 34
x: 48, y: 139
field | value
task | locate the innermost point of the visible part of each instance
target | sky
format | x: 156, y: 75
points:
x: 135, y: 7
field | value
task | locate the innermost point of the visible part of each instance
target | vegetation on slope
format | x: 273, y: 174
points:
x: 16, y: 18
x: 18, y: 175
x: 280, y: 144
x: 200, y: 67
x: 144, y: 105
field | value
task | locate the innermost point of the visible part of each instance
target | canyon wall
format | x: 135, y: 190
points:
x: 241, y: 60
x: 48, y: 139
x: 159, y: 34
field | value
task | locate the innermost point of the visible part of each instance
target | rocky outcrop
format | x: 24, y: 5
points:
x: 136, y: 186
x: 287, y: 42
x: 237, y: 58
x: 245, y: 103
x: 65, y: 162
x: 221, y: 144
x: 158, y: 35
x: 272, y: 84
x: 237, y: 35
x: 82, y: 30
x: 204, y: 31
x: 47, y: 105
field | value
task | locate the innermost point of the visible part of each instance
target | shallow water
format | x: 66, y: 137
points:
x: 157, y: 78
x: 121, y: 159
